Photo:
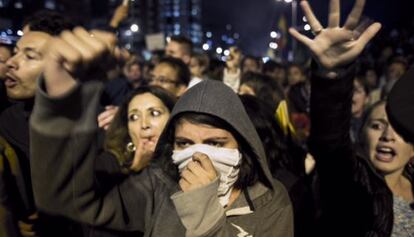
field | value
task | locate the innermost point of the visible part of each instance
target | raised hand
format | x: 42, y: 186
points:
x: 198, y: 173
x: 120, y: 14
x: 71, y: 56
x: 335, y: 46
x: 142, y: 156
x: 105, y: 118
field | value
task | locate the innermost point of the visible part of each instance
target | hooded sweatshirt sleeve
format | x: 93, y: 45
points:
x: 202, y: 215
x: 64, y: 148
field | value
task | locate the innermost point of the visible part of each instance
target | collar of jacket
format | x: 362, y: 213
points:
x: 249, y: 200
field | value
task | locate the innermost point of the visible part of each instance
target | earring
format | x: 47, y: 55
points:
x: 130, y: 147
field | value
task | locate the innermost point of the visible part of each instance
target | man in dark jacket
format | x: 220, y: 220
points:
x: 23, y: 70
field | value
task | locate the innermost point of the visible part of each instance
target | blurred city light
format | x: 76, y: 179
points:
x: 134, y: 28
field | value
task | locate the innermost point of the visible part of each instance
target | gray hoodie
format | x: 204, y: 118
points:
x: 64, y: 148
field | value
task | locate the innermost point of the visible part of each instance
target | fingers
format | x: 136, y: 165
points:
x: 198, y: 173
x: 26, y: 230
x: 142, y: 157
x: 64, y: 54
x: 194, y: 176
x: 353, y: 18
x: 334, y: 14
x: 184, y: 185
x: 312, y: 20
x: 34, y: 216
x: 76, y: 49
x: 206, y: 164
x: 89, y: 39
x: 82, y: 49
x: 337, y: 36
x: 301, y: 38
x: 105, y: 118
x: 109, y: 39
x: 368, y: 34
x: 358, y: 45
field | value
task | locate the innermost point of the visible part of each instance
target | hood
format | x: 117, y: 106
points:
x: 400, y: 106
x: 215, y: 98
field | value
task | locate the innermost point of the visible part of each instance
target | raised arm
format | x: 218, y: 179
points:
x: 64, y: 136
x: 334, y: 49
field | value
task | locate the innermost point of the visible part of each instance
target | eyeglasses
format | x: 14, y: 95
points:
x: 161, y: 80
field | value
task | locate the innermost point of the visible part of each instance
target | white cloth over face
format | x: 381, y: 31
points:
x: 226, y: 162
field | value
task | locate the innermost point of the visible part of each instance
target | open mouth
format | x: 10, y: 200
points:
x: 149, y: 141
x: 385, y: 154
x: 9, y: 81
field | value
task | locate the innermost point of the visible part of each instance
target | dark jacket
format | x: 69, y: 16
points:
x: 16, y: 195
x: 355, y: 199
x: 151, y: 200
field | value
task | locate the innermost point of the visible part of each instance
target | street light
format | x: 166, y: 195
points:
x: 134, y: 28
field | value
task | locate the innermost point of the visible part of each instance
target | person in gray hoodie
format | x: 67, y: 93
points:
x: 209, y: 176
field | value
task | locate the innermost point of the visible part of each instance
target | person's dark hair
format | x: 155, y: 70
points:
x: 203, y: 60
x: 133, y: 62
x: 271, y: 65
x: 363, y: 82
x: 250, y: 169
x: 264, y: 87
x: 50, y: 22
x: 282, y: 151
x: 399, y: 60
x: 117, y: 136
x: 362, y: 145
x: 215, y: 69
x: 257, y: 61
x: 185, y: 43
x: 182, y: 70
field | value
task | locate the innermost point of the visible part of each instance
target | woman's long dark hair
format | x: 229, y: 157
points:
x: 265, y: 88
x: 250, y: 169
x: 282, y: 151
x: 117, y: 136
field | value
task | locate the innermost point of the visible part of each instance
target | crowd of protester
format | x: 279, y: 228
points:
x: 96, y: 141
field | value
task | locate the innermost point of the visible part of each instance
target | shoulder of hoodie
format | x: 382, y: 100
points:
x: 273, y: 199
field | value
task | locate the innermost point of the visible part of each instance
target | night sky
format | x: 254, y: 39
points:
x: 254, y: 19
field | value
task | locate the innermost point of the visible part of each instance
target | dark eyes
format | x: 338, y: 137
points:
x: 215, y: 144
x: 182, y: 144
x: 377, y: 126
x: 30, y: 57
x: 133, y: 117
x: 153, y: 113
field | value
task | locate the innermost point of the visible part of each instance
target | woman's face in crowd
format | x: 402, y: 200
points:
x: 359, y: 99
x: 187, y: 134
x: 295, y: 75
x: 147, y: 116
x: 388, y: 152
